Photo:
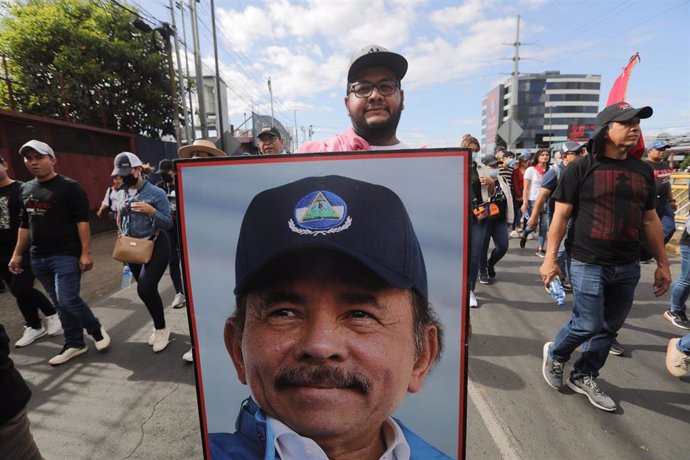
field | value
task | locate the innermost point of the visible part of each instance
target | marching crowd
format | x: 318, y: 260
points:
x: 595, y: 211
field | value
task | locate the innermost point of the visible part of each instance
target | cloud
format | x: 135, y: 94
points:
x: 466, y: 13
x: 440, y: 60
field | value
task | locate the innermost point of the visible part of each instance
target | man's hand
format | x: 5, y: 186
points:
x: 662, y: 280
x: 85, y: 263
x: 549, y: 269
x: 15, y: 265
x: 532, y: 222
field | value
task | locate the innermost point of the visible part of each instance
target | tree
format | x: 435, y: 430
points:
x: 84, y: 61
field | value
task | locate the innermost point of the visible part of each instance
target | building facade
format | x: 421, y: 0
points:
x: 551, y: 108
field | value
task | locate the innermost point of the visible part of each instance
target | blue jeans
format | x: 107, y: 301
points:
x: 498, y: 230
x: 668, y: 223
x: 61, y: 277
x: 543, y: 224
x: 680, y: 289
x: 603, y: 296
x: 477, y: 243
x: 684, y: 344
x: 562, y: 255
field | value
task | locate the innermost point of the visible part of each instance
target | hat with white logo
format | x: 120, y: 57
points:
x: 365, y: 221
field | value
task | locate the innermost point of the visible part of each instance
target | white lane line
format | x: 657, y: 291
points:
x: 506, y: 443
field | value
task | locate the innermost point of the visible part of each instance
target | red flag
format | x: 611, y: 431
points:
x: 617, y: 94
x: 620, y: 86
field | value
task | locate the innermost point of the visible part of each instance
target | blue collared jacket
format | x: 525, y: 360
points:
x: 253, y: 439
x: 139, y: 225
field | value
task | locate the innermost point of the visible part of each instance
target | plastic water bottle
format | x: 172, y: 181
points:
x: 126, y: 277
x: 556, y: 291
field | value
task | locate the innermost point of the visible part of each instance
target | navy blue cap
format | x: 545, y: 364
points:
x: 365, y: 221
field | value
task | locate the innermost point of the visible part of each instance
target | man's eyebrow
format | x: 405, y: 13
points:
x: 359, y: 298
x: 271, y: 298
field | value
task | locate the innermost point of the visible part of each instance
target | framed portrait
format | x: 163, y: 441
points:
x: 213, y: 195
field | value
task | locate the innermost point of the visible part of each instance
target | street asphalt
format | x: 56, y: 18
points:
x: 131, y: 403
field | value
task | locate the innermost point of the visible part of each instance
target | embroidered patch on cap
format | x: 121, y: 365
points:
x: 319, y: 213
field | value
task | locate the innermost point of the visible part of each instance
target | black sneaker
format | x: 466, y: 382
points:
x: 678, y: 319
x: 616, y: 348
x: 523, y: 241
x: 491, y: 271
x: 484, y: 278
x: 588, y: 387
x: 566, y: 285
x: 550, y: 369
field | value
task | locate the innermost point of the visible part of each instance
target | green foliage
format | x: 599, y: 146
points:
x: 85, y: 60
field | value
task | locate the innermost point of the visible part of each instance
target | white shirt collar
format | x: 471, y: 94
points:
x: 292, y: 446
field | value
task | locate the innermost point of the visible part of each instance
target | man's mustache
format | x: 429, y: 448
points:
x: 326, y: 376
x: 377, y: 107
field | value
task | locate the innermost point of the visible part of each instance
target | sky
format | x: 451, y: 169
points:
x: 457, y: 52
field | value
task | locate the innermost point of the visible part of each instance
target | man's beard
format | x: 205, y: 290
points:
x: 378, y: 133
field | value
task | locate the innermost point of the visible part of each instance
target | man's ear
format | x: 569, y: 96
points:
x: 402, y: 100
x: 425, y: 361
x: 233, y: 341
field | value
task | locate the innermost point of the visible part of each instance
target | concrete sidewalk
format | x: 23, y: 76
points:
x: 125, y: 403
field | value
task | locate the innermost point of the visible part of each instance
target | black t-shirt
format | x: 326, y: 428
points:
x: 51, y: 211
x: 662, y: 180
x: 9, y: 217
x: 609, y: 198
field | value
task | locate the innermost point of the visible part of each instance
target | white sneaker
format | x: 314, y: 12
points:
x: 102, y: 340
x: 189, y: 356
x: 514, y: 234
x: 179, y: 301
x: 473, y: 300
x: 30, y: 335
x: 152, y: 337
x: 161, y: 339
x: 53, y: 325
x: 66, y: 354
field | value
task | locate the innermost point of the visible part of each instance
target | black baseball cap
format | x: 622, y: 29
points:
x: 269, y: 132
x: 376, y: 56
x: 489, y: 160
x: 365, y: 221
x: 622, y: 111
x: 165, y: 165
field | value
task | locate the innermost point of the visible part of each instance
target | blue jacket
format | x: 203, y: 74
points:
x: 140, y: 225
x: 253, y: 439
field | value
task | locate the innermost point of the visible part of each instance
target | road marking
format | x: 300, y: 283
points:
x: 506, y: 443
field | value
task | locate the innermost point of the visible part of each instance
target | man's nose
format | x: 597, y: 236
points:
x: 321, y: 339
x: 375, y: 94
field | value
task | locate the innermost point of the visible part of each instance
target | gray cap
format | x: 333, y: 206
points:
x: 377, y: 56
x: 40, y: 147
x: 124, y: 162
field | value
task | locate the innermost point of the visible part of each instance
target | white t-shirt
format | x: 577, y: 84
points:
x: 398, y: 146
x: 536, y: 178
x: 292, y: 446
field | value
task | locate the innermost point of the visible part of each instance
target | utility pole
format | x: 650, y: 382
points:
x: 294, y: 113
x: 270, y: 91
x: 219, y: 110
x: 186, y: 64
x: 199, y: 72
x: 187, y: 135
x: 514, y: 85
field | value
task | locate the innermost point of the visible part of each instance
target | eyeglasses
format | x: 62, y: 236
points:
x: 385, y: 87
